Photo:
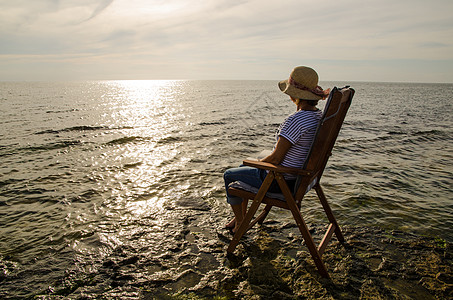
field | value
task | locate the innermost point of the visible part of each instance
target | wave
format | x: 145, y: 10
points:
x: 86, y: 196
x: 69, y: 129
x: 211, y: 123
x: 61, y: 111
x: 52, y: 146
x: 433, y: 132
x: 170, y: 139
x: 132, y: 165
x: 138, y: 139
x: 81, y: 128
x: 127, y: 140
x: 9, y: 181
x: 14, y: 150
x: 396, y: 132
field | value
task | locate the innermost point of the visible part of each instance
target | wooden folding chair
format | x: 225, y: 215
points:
x: 309, y: 176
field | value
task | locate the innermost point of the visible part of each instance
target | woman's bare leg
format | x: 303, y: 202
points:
x: 238, y: 215
x: 232, y: 223
x: 239, y: 211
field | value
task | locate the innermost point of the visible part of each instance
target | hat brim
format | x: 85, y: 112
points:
x: 294, y: 92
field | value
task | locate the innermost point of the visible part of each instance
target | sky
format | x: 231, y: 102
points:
x: 350, y: 40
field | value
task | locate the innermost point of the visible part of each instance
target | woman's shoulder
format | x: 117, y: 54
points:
x: 302, y: 114
x: 303, y: 117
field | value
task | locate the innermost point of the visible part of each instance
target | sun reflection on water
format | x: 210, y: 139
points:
x: 144, y: 103
x: 152, y: 114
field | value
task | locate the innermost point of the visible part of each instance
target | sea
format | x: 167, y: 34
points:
x: 109, y: 186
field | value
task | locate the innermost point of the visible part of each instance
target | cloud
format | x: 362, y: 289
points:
x: 434, y: 45
x: 101, y: 7
x: 248, y: 37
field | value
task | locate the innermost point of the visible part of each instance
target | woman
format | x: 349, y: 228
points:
x: 294, y: 138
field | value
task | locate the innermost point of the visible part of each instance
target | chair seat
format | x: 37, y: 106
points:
x: 248, y: 188
x: 277, y: 196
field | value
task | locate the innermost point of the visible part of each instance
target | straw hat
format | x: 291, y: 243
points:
x: 303, y: 84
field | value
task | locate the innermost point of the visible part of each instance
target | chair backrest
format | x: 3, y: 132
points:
x: 330, y: 124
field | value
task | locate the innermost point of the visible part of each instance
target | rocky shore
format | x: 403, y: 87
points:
x: 271, y: 262
x: 374, y: 264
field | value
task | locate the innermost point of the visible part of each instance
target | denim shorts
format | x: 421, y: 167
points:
x: 251, y: 176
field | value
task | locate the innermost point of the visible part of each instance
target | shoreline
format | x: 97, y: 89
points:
x: 373, y: 264
x: 269, y: 263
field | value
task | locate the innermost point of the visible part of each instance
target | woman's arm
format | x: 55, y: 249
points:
x: 276, y: 157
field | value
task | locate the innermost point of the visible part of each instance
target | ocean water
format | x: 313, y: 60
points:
x: 97, y: 175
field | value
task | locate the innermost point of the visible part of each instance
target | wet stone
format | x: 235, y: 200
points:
x: 444, y: 277
x: 129, y: 260
x: 194, y: 204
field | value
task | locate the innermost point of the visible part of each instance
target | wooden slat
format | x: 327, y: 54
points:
x: 249, y: 195
x: 323, y: 245
x: 277, y: 168
x: 329, y: 213
x: 302, y: 227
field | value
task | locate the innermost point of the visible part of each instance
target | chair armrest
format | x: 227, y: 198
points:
x: 276, y: 168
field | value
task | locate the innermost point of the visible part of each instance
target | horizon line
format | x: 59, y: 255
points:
x: 276, y: 80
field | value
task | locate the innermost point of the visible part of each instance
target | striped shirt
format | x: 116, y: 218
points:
x: 299, y: 129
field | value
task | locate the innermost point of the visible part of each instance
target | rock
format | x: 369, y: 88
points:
x: 444, y: 277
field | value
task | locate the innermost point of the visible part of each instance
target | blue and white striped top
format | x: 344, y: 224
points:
x: 299, y: 128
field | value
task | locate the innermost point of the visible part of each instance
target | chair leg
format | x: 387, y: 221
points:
x: 303, y: 227
x: 251, y: 212
x: 327, y: 236
x: 263, y: 215
x: 309, y: 241
x: 329, y: 212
